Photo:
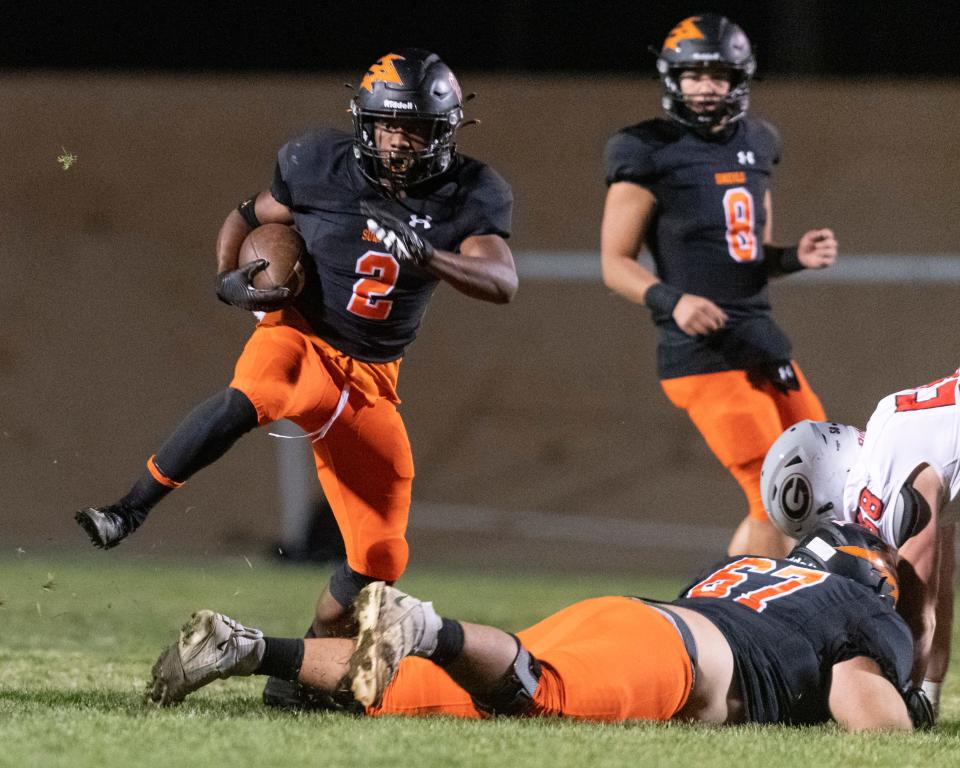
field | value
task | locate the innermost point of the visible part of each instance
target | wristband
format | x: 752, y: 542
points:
x: 248, y: 210
x: 780, y: 260
x: 661, y: 299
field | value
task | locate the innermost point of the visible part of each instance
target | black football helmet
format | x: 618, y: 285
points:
x: 414, y: 86
x: 851, y: 551
x: 707, y: 41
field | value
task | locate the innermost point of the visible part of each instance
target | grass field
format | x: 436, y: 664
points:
x: 77, y: 639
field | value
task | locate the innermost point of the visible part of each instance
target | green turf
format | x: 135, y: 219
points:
x: 77, y: 639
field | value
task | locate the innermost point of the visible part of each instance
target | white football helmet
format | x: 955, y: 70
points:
x: 804, y: 473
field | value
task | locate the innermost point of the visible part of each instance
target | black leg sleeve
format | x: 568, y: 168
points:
x: 208, y: 432
x: 346, y: 583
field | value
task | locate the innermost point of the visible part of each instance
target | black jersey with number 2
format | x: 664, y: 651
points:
x: 706, y: 234
x: 358, y: 297
x: 787, y: 626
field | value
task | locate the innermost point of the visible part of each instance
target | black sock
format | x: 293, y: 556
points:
x: 200, y: 439
x: 346, y: 583
x: 449, y: 643
x: 144, y: 496
x: 282, y: 658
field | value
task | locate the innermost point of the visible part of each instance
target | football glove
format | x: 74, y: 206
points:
x: 397, y: 236
x: 234, y: 287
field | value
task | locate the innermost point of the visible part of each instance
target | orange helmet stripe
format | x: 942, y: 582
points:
x: 879, y: 562
x: 685, y: 30
x: 383, y: 71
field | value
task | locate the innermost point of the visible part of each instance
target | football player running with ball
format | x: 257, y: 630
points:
x: 386, y: 213
x: 755, y: 640
x: 695, y: 189
x: 895, y: 479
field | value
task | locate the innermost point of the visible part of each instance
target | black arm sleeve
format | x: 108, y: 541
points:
x: 781, y: 261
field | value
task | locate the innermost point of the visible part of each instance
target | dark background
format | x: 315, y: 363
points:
x: 801, y: 37
x: 540, y: 432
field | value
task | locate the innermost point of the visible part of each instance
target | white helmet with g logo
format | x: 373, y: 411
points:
x: 804, y: 474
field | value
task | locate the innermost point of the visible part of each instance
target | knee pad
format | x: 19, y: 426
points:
x: 346, y: 583
x: 513, y: 695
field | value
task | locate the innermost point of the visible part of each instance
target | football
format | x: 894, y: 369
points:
x: 283, y: 249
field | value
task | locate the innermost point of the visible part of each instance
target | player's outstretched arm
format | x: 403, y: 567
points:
x: 483, y: 269
x: 862, y: 699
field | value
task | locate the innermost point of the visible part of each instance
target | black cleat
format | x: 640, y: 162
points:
x: 283, y: 694
x: 106, y: 526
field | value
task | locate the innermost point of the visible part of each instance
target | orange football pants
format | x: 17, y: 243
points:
x: 740, y: 418
x: 363, y: 457
x: 604, y: 659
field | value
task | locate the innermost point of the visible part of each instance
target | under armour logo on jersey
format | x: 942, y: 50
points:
x: 426, y: 223
x: 746, y: 157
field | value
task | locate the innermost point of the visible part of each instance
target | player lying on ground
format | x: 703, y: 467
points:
x: 791, y: 641
x: 895, y: 479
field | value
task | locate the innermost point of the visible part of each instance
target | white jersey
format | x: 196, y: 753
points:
x: 907, y: 429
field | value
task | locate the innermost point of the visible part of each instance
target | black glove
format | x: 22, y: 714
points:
x: 234, y: 287
x: 920, y: 709
x: 397, y: 236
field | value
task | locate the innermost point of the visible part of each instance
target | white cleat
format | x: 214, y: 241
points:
x: 211, y: 647
x: 391, y: 626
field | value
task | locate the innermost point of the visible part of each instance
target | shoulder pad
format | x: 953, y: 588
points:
x: 304, y: 150
x: 770, y: 133
x: 629, y: 154
x: 655, y: 133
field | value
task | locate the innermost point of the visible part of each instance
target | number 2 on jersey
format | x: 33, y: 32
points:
x: 368, y: 299
x: 738, y: 210
x: 791, y: 578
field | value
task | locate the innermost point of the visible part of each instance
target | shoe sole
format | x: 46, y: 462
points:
x: 366, y: 664
x: 168, y: 685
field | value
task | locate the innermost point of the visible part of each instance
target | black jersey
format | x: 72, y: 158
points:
x: 358, y: 297
x: 788, y: 625
x: 706, y: 234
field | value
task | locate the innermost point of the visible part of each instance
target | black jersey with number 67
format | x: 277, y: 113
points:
x: 788, y: 624
x: 358, y: 297
x: 706, y: 234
